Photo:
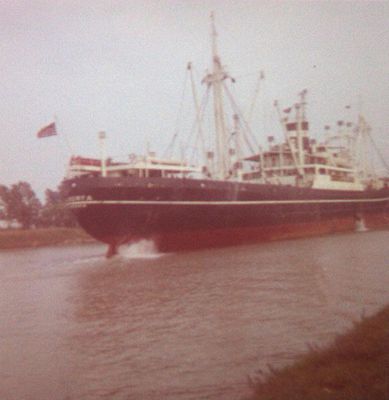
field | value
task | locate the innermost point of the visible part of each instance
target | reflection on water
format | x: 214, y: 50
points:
x: 178, y: 326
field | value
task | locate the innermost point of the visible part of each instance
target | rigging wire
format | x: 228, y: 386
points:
x: 376, y: 148
x: 199, y: 109
x: 249, y: 120
x: 247, y: 128
x: 198, y: 121
x: 255, y: 96
x: 169, y: 148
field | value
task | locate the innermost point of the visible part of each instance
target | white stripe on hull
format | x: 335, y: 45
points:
x: 222, y: 203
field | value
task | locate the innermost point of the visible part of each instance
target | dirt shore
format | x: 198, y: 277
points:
x: 354, y: 367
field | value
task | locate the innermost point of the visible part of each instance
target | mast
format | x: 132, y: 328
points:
x: 102, y: 136
x: 198, y: 115
x: 362, y: 130
x: 288, y: 140
x: 301, y: 132
x: 216, y: 78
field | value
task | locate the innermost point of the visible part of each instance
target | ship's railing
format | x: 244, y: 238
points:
x: 142, y: 167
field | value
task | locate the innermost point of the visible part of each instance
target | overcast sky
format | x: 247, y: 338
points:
x: 119, y: 66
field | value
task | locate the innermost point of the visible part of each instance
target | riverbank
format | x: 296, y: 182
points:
x: 27, y: 238
x: 355, y: 366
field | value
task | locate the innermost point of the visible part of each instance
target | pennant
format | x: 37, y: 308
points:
x: 49, y: 130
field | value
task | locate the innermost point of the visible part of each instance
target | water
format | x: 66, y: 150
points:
x: 198, y: 325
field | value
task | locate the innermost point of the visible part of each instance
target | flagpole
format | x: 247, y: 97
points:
x: 67, y: 143
x: 65, y: 154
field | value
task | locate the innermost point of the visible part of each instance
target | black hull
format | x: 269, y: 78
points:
x: 187, y: 213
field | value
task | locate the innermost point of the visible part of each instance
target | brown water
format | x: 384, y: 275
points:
x: 180, y: 326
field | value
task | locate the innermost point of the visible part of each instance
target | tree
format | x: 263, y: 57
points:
x: 4, y: 192
x: 19, y: 203
x: 53, y: 212
x: 23, y: 205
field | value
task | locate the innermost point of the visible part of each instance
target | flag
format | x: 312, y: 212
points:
x: 49, y: 130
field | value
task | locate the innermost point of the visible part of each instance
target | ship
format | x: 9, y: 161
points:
x: 239, y: 192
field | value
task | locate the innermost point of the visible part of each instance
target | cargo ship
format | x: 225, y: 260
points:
x: 239, y: 192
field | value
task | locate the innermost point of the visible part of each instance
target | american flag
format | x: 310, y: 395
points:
x: 49, y: 130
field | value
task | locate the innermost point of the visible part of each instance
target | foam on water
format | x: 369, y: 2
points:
x: 143, y: 249
x: 360, y: 226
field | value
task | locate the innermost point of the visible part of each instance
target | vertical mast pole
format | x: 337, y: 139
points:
x: 300, y: 121
x: 364, y: 147
x: 217, y: 77
x: 237, y: 168
x: 298, y: 133
x: 287, y: 138
x: 102, y: 154
x: 198, y: 114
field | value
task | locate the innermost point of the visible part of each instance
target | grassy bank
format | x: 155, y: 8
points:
x: 355, y: 366
x: 19, y: 238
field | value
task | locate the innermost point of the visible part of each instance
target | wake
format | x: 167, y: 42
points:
x: 145, y: 248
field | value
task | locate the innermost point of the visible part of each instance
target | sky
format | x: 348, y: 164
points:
x: 120, y: 66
